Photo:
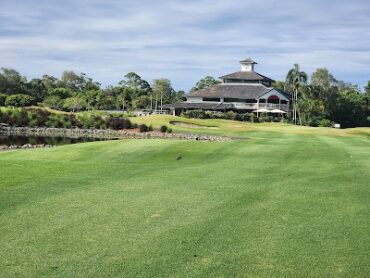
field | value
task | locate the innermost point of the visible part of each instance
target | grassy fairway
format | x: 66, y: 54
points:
x: 288, y: 202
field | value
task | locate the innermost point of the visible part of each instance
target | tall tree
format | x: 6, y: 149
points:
x: 74, y: 104
x: 350, y: 109
x: 295, y: 80
x: 50, y: 82
x: 323, y: 79
x: 205, y: 82
x: 72, y: 81
x: 12, y: 82
x: 280, y: 85
x: 134, y: 81
x: 53, y: 102
x: 93, y: 98
x: 327, y: 86
x: 367, y: 88
x: 36, y: 89
x: 131, y: 87
x: 163, y: 92
x: 60, y: 92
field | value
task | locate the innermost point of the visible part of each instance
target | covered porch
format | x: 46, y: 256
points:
x: 272, y: 101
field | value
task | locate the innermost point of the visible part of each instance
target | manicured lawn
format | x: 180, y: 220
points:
x: 287, y: 202
x: 236, y: 128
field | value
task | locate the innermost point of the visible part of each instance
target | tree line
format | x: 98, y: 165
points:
x: 78, y: 92
x: 318, y: 100
x: 324, y: 98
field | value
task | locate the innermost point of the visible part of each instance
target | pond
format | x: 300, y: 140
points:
x: 17, y: 140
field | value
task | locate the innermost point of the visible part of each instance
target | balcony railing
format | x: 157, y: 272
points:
x: 240, y: 105
x: 269, y: 106
x: 253, y: 106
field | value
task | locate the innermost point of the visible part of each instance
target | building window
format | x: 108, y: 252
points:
x: 239, y: 100
x: 273, y: 99
x: 212, y: 99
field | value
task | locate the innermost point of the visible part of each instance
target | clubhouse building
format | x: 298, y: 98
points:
x: 243, y: 91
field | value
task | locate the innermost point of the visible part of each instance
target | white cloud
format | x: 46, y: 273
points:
x: 184, y: 40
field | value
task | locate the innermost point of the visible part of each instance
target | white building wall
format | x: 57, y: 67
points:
x: 194, y: 99
x: 247, y: 67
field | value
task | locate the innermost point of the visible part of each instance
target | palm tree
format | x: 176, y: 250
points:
x: 295, y: 79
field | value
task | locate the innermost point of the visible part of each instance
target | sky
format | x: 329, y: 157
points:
x: 184, y: 41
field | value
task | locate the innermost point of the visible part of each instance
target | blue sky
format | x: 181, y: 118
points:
x: 184, y: 40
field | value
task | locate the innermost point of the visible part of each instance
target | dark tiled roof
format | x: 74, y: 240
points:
x: 248, y: 60
x: 246, y: 75
x: 201, y: 105
x: 229, y: 90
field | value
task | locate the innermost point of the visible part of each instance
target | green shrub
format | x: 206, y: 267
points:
x: 66, y: 122
x: 100, y: 123
x: 42, y: 117
x: 150, y: 128
x: 37, y: 116
x: 117, y: 123
x: 61, y: 93
x: 245, y: 117
x: 238, y: 117
x: 74, y: 104
x: 2, y: 99
x: 143, y: 128
x: 57, y: 121
x: 169, y: 130
x: 163, y: 128
x: 251, y: 117
x: 6, y: 117
x: 230, y: 115
x: 12, y: 116
x: 22, y: 118
x: 127, y: 123
x: 313, y: 121
x: 325, y: 123
x: 241, y: 117
x: 197, y: 114
x: 209, y: 114
x: 72, y: 119
x: 263, y: 117
x: 54, y: 102
x: 86, y: 120
x: 219, y: 115
x: 19, y: 100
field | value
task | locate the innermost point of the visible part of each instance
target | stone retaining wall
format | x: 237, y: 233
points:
x: 26, y: 146
x: 106, y: 134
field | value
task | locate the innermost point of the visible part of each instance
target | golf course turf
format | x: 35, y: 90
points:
x: 287, y: 202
